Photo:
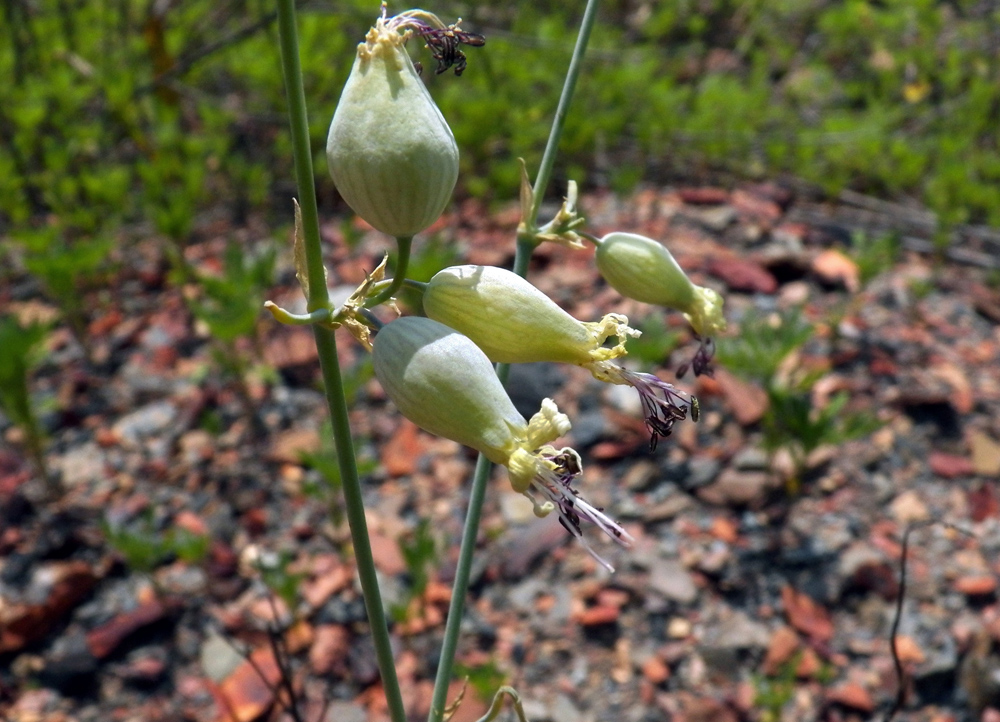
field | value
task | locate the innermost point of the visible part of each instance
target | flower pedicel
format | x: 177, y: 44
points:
x: 441, y: 381
x: 514, y: 322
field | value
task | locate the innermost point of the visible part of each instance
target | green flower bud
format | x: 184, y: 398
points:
x: 390, y: 151
x: 441, y: 381
x: 642, y: 269
x: 514, y: 322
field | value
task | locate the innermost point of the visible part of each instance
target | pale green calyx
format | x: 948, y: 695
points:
x: 390, y: 151
x: 642, y: 269
x: 514, y: 322
x: 441, y: 381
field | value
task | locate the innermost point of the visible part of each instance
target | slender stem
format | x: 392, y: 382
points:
x: 319, y: 297
x: 457, y: 605
x: 326, y: 346
x: 522, y: 256
x: 470, y: 532
x: 418, y: 286
x: 525, y: 247
x: 569, y: 86
x: 403, y: 244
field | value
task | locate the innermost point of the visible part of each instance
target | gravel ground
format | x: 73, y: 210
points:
x: 747, y: 595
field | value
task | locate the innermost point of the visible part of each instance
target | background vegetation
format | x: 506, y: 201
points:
x: 120, y: 112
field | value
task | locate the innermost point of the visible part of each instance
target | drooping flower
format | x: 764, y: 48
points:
x: 642, y: 269
x: 390, y: 151
x: 514, y: 322
x: 441, y: 381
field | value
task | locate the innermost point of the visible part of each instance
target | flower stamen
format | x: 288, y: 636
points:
x: 442, y: 40
x: 553, y: 480
x: 701, y: 362
x: 663, y: 404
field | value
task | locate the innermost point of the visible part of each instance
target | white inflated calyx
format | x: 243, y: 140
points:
x: 390, y: 151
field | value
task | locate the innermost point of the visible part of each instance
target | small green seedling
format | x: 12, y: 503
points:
x: 875, y: 254
x: 144, y: 547
x: 419, y: 550
x: 791, y: 422
x: 280, y: 579
x: 18, y: 353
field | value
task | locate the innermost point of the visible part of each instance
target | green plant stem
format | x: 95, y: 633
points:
x: 525, y: 247
x: 326, y: 346
x: 459, y: 588
x: 291, y: 65
x: 562, y: 110
x: 470, y: 532
x: 403, y: 244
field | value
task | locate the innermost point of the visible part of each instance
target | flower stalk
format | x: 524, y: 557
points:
x: 326, y: 346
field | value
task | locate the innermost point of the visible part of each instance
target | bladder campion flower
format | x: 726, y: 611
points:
x: 441, y: 381
x: 642, y: 269
x: 390, y: 151
x: 514, y: 322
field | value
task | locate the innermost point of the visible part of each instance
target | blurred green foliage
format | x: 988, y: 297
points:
x: 230, y: 303
x: 484, y: 679
x: 763, y: 344
x: 419, y: 550
x: 792, y: 421
x: 276, y: 569
x: 118, y: 112
x: 67, y: 268
x: 656, y: 342
x: 875, y: 254
x: 19, y: 347
x: 144, y: 547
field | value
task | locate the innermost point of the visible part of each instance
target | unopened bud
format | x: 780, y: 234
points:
x: 442, y: 382
x: 642, y: 269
